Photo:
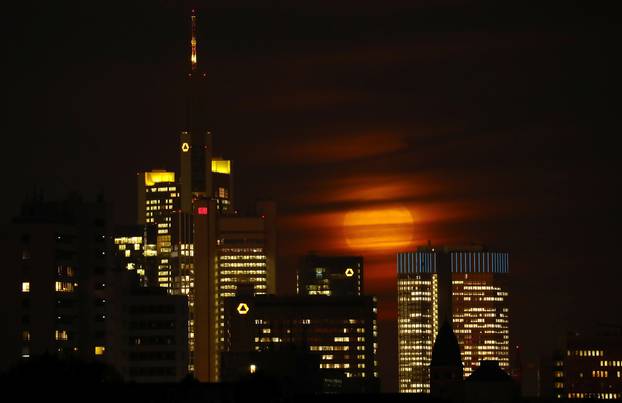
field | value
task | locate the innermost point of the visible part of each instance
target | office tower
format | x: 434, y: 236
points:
x: 589, y: 366
x: 222, y: 185
x: 149, y: 337
x: 135, y: 250
x: 340, y: 330
x: 233, y: 255
x: 466, y: 286
x: 168, y: 247
x: 54, y: 290
x: 195, y: 142
x: 202, y: 174
x: 330, y: 275
x: 205, y: 312
x: 158, y: 205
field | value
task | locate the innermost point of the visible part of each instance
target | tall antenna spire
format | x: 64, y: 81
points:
x: 193, y: 42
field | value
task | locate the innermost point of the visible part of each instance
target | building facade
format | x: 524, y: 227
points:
x: 330, y: 275
x: 589, y: 367
x: 466, y: 286
x: 151, y: 342
x: 55, y: 290
x: 235, y: 255
x: 158, y: 206
x: 341, y: 331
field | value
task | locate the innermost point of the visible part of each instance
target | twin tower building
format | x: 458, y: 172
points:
x: 464, y: 289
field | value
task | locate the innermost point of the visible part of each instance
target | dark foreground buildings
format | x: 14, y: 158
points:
x: 340, y: 331
x: 64, y: 294
x: 487, y: 383
x: 588, y: 367
x: 55, y: 275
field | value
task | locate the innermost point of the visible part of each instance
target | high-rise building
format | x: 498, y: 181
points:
x: 466, y: 286
x: 330, y: 275
x: 340, y: 330
x: 167, y: 245
x: 234, y: 255
x: 195, y: 141
x: 131, y: 243
x: 158, y: 205
x: 150, y: 338
x: 589, y: 366
x: 54, y: 290
x: 222, y: 185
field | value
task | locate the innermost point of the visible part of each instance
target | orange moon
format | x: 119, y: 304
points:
x: 388, y: 227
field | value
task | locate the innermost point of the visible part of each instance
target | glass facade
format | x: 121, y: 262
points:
x: 467, y: 286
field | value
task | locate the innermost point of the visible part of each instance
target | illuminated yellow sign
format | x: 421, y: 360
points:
x: 242, y: 308
x: 153, y: 177
x: 349, y: 272
x: 185, y: 147
x: 221, y: 166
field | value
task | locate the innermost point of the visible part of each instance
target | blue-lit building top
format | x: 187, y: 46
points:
x: 459, y: 262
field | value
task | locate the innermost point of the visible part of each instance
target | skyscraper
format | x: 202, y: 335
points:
x: 195, y: 142
x: 234, y: 255
x: 54, y: 292
x: 330, y: 275
x: 158, y: 205
x: 466, y: 286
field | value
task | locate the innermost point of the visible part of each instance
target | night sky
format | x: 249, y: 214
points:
x: 375, y: 126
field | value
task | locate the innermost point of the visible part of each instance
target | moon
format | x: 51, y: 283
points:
x: 388, y: 227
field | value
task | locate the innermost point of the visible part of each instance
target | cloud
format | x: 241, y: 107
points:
x: 335, y: 147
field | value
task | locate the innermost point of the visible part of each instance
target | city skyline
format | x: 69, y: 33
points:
x: 374, y: 111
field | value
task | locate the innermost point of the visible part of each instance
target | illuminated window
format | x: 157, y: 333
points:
x: 61, y: 335
x: 26, y: 286
x: 100, y: 350
x: 252, y: 368
x: 63, y: 286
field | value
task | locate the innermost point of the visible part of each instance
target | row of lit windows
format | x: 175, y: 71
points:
x: 159, y: 208
x: 60, y: 286
x: 124, y: 246
x: 242, y: 257
x: 611, y: 363
x: 247, y: 264
x: 335, y: 366
x: 241, y: 250
x: 604, y: 396
x: 329, y: 348
x: 238, y: 280
x: 126, y: 240
x: 163, y: 189
x: 587, y: 353
x: 241, y: 272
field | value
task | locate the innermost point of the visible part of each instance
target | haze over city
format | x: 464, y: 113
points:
x: 375, y: 128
